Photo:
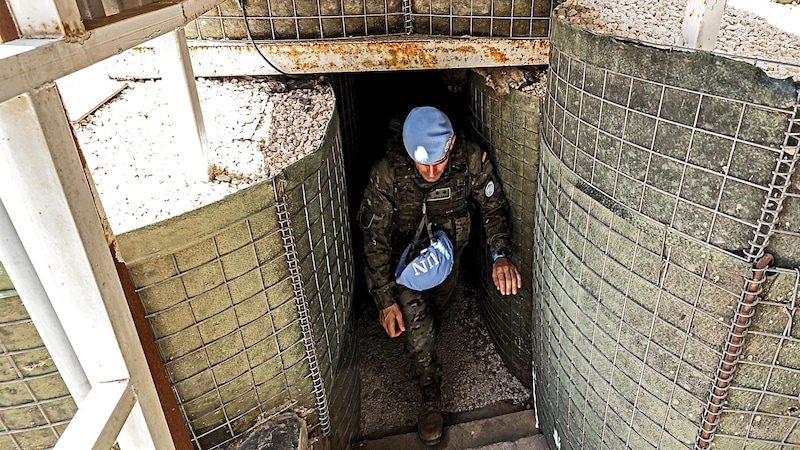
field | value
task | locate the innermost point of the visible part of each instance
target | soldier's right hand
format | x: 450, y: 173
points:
x: 392, y: 321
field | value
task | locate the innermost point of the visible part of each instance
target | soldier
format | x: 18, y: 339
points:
x: 430, y: 182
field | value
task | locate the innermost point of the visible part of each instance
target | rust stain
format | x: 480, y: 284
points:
x: 498, y: 56
x: 365, y: 56
x: 75, y: 32
x: 70, y: 31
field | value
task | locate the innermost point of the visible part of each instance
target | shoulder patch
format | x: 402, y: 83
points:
x: 489, y: 190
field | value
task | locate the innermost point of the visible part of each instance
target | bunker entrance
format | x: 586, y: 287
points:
x: 476, y: 381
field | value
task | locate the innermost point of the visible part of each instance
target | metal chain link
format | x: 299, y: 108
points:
x: 781, y: 180
x: 767, y: 222
x: 301, y: 300
x: 408, y: 22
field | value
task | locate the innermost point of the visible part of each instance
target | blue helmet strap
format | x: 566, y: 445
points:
x: 423, y: 224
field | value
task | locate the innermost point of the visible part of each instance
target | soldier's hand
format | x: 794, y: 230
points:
x: 506, y: 277
x: 392, y: 321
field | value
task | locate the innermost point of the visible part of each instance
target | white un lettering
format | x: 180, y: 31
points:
x: 426, y: 264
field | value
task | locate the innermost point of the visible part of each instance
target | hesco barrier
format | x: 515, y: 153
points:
x: 35, y: 405
x: 659, y: 320
x: 250, y: 299
x: 508, y: 127
x: 328, y: 19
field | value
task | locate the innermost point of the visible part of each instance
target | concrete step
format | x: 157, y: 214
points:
x: 513, y: 431
x: 535, y: 442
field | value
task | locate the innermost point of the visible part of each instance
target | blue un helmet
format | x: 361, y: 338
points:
x: 430, y: 267
x: 426, y: 133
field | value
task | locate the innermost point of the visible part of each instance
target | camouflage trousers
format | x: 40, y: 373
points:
x: 422, y: 314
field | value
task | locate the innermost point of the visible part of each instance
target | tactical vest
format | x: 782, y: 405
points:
x: 447, y: 199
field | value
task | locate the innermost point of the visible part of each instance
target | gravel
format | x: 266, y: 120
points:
x: 255, y: 128
x: 473, y: 376
x: 742, y: 33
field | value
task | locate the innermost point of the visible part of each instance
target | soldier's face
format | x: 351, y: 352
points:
x: 432, y: 172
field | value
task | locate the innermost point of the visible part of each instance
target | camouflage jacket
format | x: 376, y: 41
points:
x: 391, y: 209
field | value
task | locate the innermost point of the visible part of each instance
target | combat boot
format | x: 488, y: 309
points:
x: 429, y: 425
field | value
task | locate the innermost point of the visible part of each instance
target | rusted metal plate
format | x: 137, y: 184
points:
x: 213, y: 59
x: 48, y: 19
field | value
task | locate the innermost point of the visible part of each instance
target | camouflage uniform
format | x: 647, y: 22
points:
x: 390, y: 213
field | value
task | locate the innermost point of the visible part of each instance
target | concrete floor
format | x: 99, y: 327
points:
x: 480, y: 396
x: 505, y: 432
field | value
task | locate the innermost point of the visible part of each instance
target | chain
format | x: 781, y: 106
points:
x: 287, y: 234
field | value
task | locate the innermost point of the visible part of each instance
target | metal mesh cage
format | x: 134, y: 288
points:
x: 249, y: 300
x: 508, y: 127
x: 697, y: 159
x: 332, y: 19
x: 660, y: 322
x: 35, y: 405
x: 496, y: 18
x: 629, y: 322
x: 292, y: 19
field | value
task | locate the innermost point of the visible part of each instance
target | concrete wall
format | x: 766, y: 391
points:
x: 249, y: 300
x: 654, y: 171
x: 35, y: 405
x: 291, y: 19
x: 508, y: 128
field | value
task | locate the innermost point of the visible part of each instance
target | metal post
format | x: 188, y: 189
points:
x: 31, y: 292
x: 44, y: 188
x: 701, y: 23
x: 176, y: 72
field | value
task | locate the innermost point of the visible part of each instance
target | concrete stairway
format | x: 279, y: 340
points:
x: 512, y: 431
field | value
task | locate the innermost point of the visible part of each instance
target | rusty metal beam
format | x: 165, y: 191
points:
x: 48, y: 18
x: 391, y: 53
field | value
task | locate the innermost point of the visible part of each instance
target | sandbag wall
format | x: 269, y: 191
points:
x: 35, y: 404
x: 508, y: 127
x: 329, y: 19
x: 249, y: 300
x: 659, y: 323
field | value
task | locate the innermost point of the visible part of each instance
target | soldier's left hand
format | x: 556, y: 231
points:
x: 506, y: 277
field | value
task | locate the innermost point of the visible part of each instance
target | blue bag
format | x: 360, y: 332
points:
x: 427, y: 262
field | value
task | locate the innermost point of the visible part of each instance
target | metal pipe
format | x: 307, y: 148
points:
x: 733, y: 349
x: 37, y: 303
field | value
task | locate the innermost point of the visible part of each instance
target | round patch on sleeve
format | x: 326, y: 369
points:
x: 489, y: 191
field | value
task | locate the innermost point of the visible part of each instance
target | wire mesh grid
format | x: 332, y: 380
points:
x: 762, y: 403
x: 630, y: 320
x: 344, y: 90
x: 690, y: 160
x: 328, y: 284
x: 293, y: 20
x: 225, y: 360
x: 301, y: 302
x: 36, y: 406
x: 496, y: 18
x: 780, y: 222
x: 263, y: 305
x: 333, y: 19
x: 508, y: 128
x: 499, y: 123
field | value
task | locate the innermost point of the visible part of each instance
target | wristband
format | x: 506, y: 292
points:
x: 501, y: 253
